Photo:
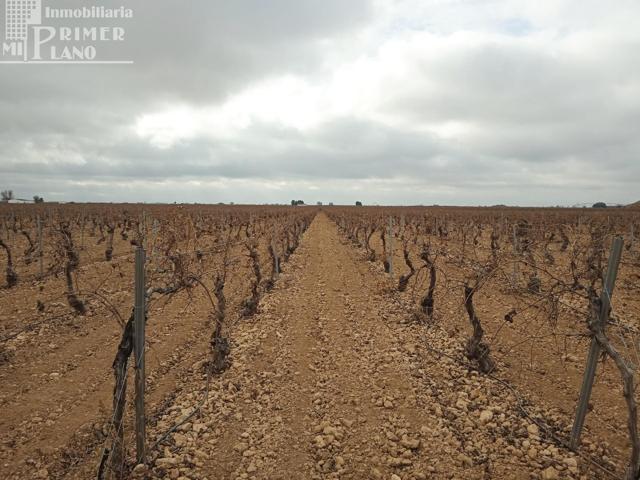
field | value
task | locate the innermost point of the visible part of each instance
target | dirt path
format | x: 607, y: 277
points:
x: 332, y: 380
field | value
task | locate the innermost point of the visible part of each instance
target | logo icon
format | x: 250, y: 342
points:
x: 18, y: 15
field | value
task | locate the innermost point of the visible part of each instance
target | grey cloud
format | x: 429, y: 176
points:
x: 543, y: 123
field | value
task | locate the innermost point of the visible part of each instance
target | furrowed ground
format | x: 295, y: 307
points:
x: 335, y: 371
x: 56, y: 365
x: 332, y: 380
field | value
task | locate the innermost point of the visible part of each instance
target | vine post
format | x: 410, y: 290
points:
x: 82, y: 232
x: 274, y: 249
x: 594, y: 350
x: 276, y: 258
x: 40, y: 252
x: 390, y: 246
x: 143, y: 229
x: 138, y: 348
x: 155, y: 230
x: 516, y: 251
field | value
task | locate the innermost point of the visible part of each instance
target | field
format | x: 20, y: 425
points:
x: 315, y: 342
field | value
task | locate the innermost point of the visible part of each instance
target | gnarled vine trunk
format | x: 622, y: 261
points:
x: 11, y: 276
x: 476, y: 349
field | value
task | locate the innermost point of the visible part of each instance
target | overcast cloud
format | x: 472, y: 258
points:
x: 390, y: 102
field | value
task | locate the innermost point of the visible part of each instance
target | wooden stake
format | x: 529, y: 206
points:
x: 40, y: 252
x: 138, y: 348
x: 515, y: 260
x: 390, y: 245
x: 82, y: 232
x: 594, y: 350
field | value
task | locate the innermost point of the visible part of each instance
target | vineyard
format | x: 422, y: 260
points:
x: 318, y: 342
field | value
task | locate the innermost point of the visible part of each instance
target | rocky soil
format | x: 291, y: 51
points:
x: 333, y: 379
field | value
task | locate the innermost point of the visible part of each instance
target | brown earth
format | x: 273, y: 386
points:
x: 333, y: 379
x: 57, y: 387
x: 541, y: 357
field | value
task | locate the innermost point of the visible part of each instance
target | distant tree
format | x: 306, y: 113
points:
x: 358, y: 203
x: 7, y: 195
x: 599, y: 205
x: 297, y: 202
x: 38, y: 199
x: 318, y: 203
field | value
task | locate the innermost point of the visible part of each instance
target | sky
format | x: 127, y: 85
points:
x: 450, y: 102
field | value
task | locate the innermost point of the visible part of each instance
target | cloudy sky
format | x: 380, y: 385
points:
x: 386, y: 101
